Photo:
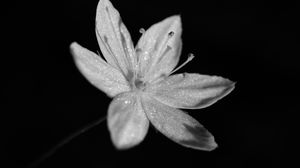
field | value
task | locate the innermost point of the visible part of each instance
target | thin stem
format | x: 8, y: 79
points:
x: 65, y: 141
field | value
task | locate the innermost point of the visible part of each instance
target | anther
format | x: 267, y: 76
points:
x: 142, y: 30
x: 190, y: 57
x: 170, y: 34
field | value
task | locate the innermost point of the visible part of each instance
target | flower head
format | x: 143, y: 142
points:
x: 139, y: 80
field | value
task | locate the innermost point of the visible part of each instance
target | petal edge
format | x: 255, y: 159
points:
x: 191, y: 91
x: 178, y: 126
x: 127, y: 122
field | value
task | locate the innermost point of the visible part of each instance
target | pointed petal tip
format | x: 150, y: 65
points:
x: 176, y: 19
x: 173, y: 20
x: 230, y: 86
x: 101, y: 2
x: 212, y: 145
x: 203, y: 140
x: 124, y: 146
x: 127, y: 141
x: 73, y: 45
x: 233, y: 83
x: 77, y: 50
x: 230, y: 82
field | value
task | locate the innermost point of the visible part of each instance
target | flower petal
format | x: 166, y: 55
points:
x: 191, y: 91
x: 159, y: 49
x: 113, y: 38
x: 98, y: 72
x: 127, y: 122
x: 178, y: 126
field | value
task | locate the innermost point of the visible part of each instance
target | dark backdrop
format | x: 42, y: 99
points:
x: 46, y: 98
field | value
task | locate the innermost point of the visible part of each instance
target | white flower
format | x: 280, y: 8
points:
x: 140, y: 82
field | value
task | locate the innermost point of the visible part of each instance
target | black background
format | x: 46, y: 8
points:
x: 252, y: 43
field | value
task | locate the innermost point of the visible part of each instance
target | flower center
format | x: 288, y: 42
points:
x: 135, y: 82
x: 140, y: 85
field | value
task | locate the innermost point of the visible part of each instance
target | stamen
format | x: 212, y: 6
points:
x: 116, y: 35
x: 164, y: 53
x: 110, y: 50
x: 125, y: 49
x: 107, y: 46
x: 171, y: 34
x: 142, y: 30
x: 168, y: 48
x: 191, y: 56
